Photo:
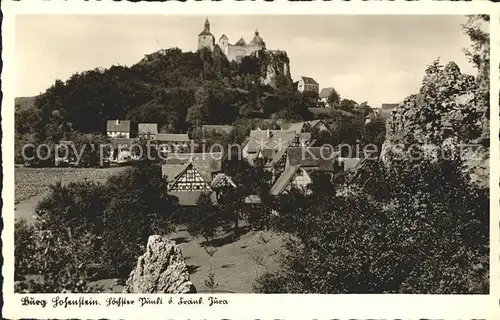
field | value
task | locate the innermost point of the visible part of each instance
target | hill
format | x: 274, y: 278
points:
x: 178, y: 90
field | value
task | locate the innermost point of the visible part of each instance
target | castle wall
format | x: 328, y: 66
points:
x: 237, y: 53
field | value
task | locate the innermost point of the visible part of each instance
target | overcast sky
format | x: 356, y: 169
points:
x: 366, y: 58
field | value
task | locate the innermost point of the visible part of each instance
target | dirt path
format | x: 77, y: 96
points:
x: 26, y: 208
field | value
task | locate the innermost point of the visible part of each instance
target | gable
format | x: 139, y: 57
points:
x: 222, y: 180
x: 299, y: 181
x: 118, y: 126
x: 190, y: 180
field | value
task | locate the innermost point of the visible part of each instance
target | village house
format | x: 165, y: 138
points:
x: 122, y: 150
x: 147, y: 130
x: 300, y: 163
x: 174, y: 142
x: 192, y: 174
x: 324, y: 95
x: 307, y: 84
x: 265, y: 143
x: 118, y: 128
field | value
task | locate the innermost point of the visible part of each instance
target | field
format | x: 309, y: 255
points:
x: 30, y: 182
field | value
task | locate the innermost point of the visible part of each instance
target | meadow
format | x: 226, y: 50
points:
x: 31, y: 182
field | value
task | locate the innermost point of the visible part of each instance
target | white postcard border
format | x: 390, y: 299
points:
x: 253, y: 306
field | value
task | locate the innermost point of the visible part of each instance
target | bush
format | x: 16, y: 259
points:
x: 110, y: 222
x: 138, y: 207
x: 205, y: 219
x: 61, y: 259
x: 430, y: 235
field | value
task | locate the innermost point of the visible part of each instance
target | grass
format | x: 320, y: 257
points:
x: 235, y: 264
x: 30, y: 182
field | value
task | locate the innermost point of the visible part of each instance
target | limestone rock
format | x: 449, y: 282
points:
x: 160, y: 270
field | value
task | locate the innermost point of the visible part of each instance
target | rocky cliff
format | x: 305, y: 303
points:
x: 450, y: 112
x: 275, y: 68
x: 160, y: 270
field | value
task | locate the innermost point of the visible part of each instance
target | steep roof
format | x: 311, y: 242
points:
x: 219, y: 178
x: 284, y: 179
x: 218, y: 128
x: 172, y: 171
x: 118, y: 126
x: 240, y: 42
x: 206, y: 164
x: 309, y: 80
x: 206, y: 31
x: 173, y: 137
x: 314, y: 123
x: 318, y: 158
x: 224, y: 37
x: 269, y: 139
x: 257, y: 40
x: 276, y: 157
x: 325, y: 92
x: 148, y: 128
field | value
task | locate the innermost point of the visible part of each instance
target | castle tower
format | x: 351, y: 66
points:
x: 224, y: 44
x: 257, y: 40
x: 205, y: 38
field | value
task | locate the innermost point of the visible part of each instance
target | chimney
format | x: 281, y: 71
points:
x: 117, y: 122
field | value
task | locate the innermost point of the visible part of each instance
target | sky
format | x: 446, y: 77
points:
x: 374, y: 58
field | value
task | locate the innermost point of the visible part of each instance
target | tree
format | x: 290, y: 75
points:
x: 61, y: 258
x: 334, y: 99
x: 205, y: 219
x: 348, y: 105
x: 121, y: 214
x: 431, y: 236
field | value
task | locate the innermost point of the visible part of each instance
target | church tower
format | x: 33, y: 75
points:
x: 205, y: 38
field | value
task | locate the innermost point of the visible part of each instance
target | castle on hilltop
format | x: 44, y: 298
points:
x: 233, y: 52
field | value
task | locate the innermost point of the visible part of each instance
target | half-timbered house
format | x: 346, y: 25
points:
x: 190, y: 175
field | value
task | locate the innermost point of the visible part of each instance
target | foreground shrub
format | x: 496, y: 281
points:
x: 431, y: 236
x: 56, y: 262
x: 111, y: 222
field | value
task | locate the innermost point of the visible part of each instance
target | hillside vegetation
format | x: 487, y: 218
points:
x: 178, y: 90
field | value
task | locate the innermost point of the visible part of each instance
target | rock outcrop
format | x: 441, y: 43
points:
x: 448, y: 113
x: 275, y: 69
x: 160, y: 270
